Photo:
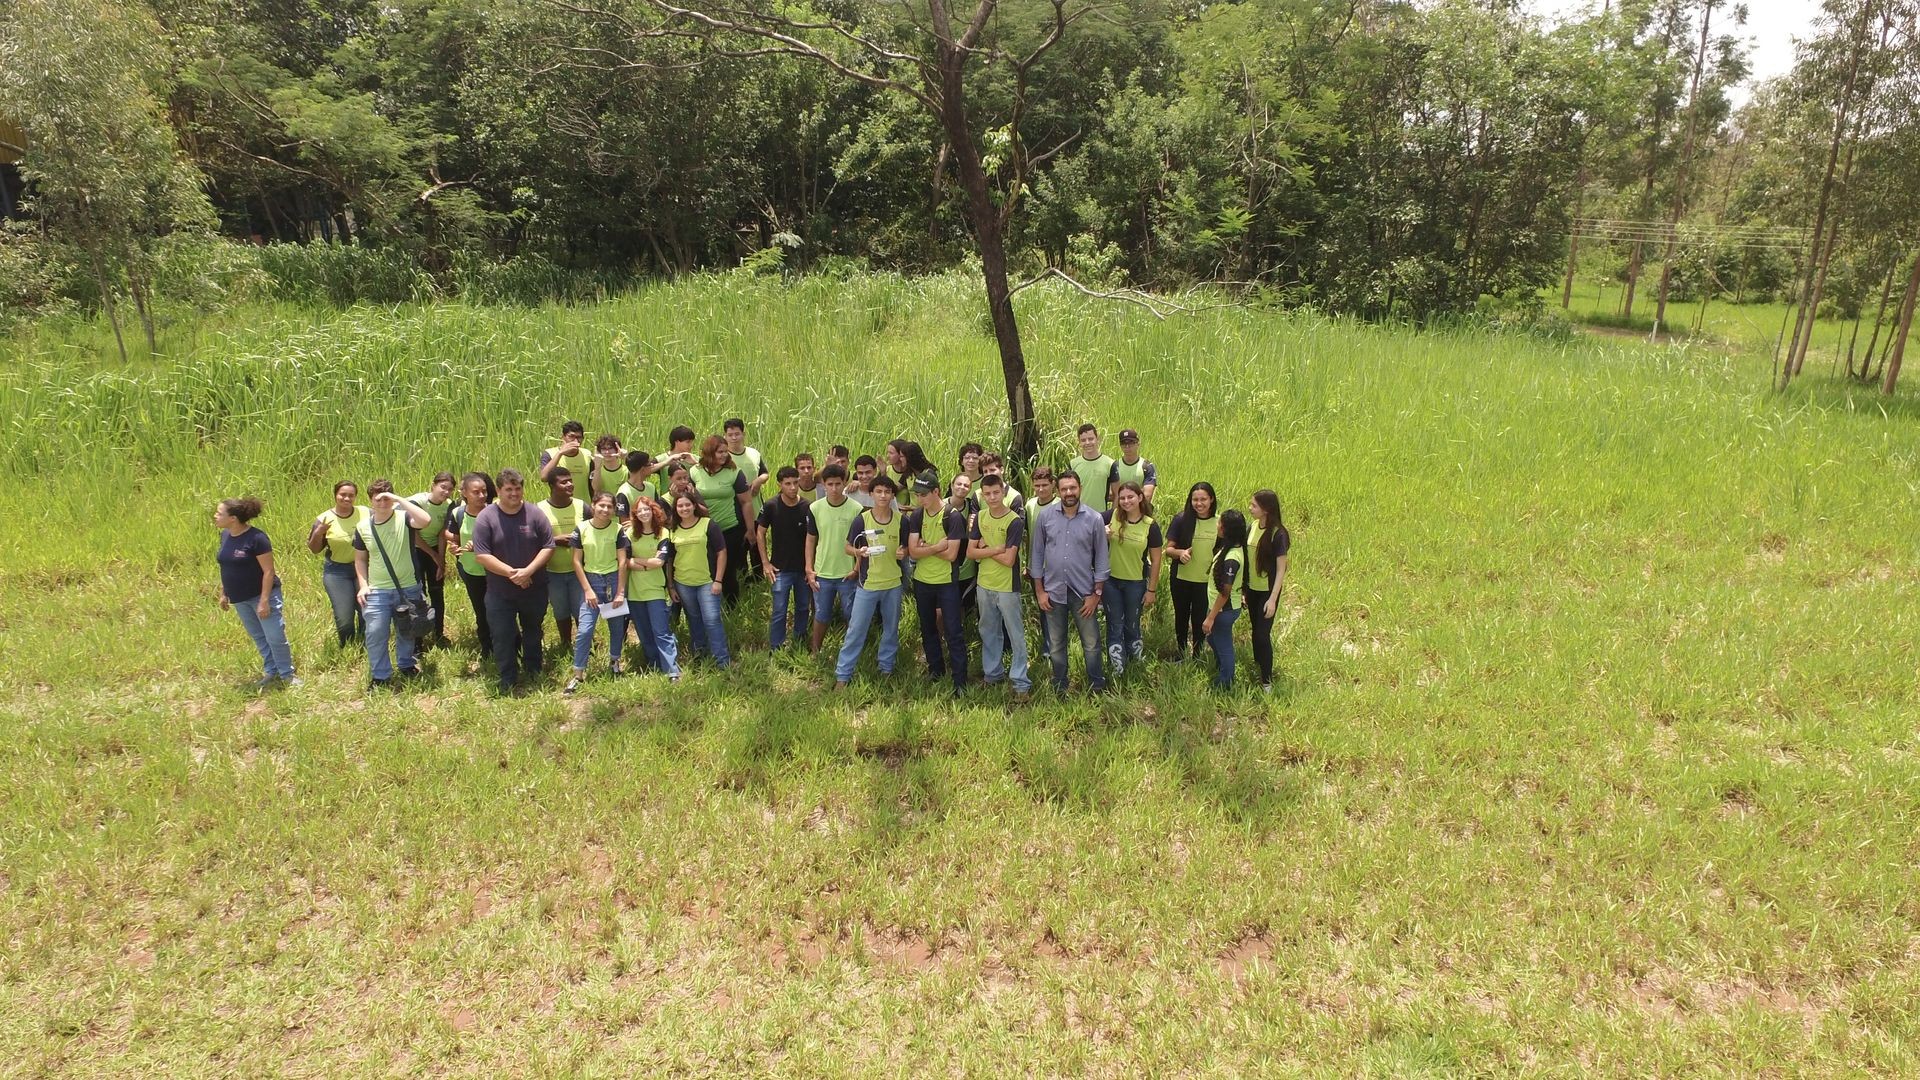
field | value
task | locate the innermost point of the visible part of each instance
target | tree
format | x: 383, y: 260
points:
x: 106, y: 172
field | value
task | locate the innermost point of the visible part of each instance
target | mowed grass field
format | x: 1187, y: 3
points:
x: 1594, y: 749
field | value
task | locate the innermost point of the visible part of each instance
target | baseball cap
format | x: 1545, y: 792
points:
x: 1128, y: 435
x: 925, y: 481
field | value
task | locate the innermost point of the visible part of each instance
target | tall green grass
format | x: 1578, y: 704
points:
x: 1592, y: 750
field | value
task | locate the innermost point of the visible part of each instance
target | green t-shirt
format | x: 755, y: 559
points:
x: 945, y: 525
x: 608, y: 480
x: 993, y: 532
x: 578, y: 464
x: 1256, y: 580
x: 1123, y: 472
x: 829, y: 526
x: 629, y: 494
x: 643, y: 583
x: 1032, y: 510
x: 1234, y: 561
x: 1127, y: 545
x: 690, y: 553
x: 436, y: 513
x: 1200, y: 566
x: 469, y: 562
x: 340, y: 535
x: 721, y: 491
x: 564, y: 520
x: 1093, y: 475
x: 599, y: 548
x: 398, y: 542
x: 881, y: 570
x: 751, y: 465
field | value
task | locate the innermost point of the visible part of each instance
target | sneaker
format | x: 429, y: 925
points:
x: 410, y: 672
x: 264, y: 683
x: 1266, y: 688
x: 1021, y: 697
x: 573, y: 684
x: 379, y: 684
x: 673, y: 678
x: 840, y: 684
x: 294, y: 682
x: 616, y: 669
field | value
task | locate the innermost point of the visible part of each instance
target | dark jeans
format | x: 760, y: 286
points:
x: 436, y: 590
x: 1191, y: 603
x: 477, y: 596
x: 945, y: 601
x: 517, y: 620
x: 1262, y: 632
x: 736, y: 538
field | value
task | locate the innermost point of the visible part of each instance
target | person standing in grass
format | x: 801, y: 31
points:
x: 1069, y: 576
x: 637, y: 487
x: 647, y: 587
x: 1133, y: 573
x: 960, y: 497
x: 970, y: 461
x: 384, y: 569
x: 905, y: 460
x: 1229, y: 563
x: 1132, y: 468
x: 874, y: 539
x: 729, y: 499
x: 782, y: 534
x: 332, y: 538
x: 936, y: 536
x: 563, y: 513
x: 1266, y: 575
x: 429, y: 554
x: 513, y: 542
x: 865, y: 468
x: 1094, y: 469
x: 609, y: 466
x: 476, y: 493
x: 832, y: 574
x: 699, y: 558
x: 569, y: 455
x: 679, y: 448
x: 600, y: 565
x: 1043, y: 497
x: 251, y: 588
x: 994, y: 540
x: 1190, y: 541
x: 991, y: 464
x: 809, y: 481
x: 752, y: 465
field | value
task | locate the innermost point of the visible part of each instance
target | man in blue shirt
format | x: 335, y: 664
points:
x: 1069, y: 574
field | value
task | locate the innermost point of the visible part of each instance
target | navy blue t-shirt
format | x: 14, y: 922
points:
x: 241, y: 577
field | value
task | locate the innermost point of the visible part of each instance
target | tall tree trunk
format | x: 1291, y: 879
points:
x: 1879, y: 318
x: 1573, y: 239
x: 106, y: 301
x: 1686, y: 167
x: 137, y: 286
x: 1906, y: 324
x: 1821, y: 246
x: 990, y: 234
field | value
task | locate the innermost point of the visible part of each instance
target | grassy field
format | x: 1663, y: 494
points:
x: 1751, y: 328
x: 1594, y: 750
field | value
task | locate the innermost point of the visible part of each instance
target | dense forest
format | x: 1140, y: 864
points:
x: 1374, y: 157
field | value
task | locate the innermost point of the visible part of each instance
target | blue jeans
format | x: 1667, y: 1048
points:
x: 1066, y: 609
x: 942, y: 601
x: 843, y: 589
x: 604, y: 587
x: 1123, y: 602
x: 516, y: 619
x: 379, y: 612
x: 705, y: 631
x: 999, y: 621
x: 865, y: 603
x: 564, y: 595
x: 1221, y: 640
x: 789, y: 584
x: 343, y: 595
x: 269, y: 635
x: 655, y: 624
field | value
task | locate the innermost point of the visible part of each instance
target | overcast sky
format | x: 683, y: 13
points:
x: 1770, y: 29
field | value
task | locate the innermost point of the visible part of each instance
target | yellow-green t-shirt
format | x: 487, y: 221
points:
x: 564, y: 521
x: 830, y: 525
x: 1127, y: 545
x: 644, y: 583
x: 721, y: 491
x: 879, y: 571
x: 1093, y: 475
x: 599, y: 548
x: 340, y: 535
x: 608, y: 480
x: 1237, y: 559
x: 436, y: 513
x: 690, y: 553
x: 1200, y: 566
x: 469, y: 562
x: 397, y: 539
x: 578, y: 464
x: 1257, y: 581
x: 932, y: 569
x: 993, y: 531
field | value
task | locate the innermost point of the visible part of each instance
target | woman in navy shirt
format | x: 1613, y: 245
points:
x: 249, y: 586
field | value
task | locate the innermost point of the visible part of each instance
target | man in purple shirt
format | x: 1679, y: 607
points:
x: 514, y: 541
x: 1069, y: 573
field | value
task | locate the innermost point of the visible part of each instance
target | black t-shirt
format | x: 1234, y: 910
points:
x: 242, y: 578
x: 786, y: 532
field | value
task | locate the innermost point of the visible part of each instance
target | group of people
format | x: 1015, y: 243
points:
x: 659, y: 535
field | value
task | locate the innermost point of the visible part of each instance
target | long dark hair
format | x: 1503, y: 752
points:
x: 1266, y: 555
x: 917, y: 462
x: 1215, y: 500
x: 1232, y: 538
x: 485, y: 481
